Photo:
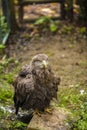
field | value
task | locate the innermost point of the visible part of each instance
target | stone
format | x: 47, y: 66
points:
x: 56, y: 120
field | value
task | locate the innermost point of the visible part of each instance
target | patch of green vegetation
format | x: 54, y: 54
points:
x: 12, y: 125
x: 6, y: 99
x: 3, y: 24
x: 67, y: 29
x: 8, y: 68
x: 6, y: 92
x: 18, y: 125
x: 3, y: 112
x: 83, y: 64
x: 81, y: 123
x: 7, y: 119
x: 2, y: 47
x: 75, y: 100
x: 82, y: 30
x: 46, y: 23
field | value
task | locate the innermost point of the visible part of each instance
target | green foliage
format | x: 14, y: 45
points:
x: 6, y: 92
x: 5, y: 64
x: 67, y: 29
x: 75, y: 99
x: 42, y: 20
x: 46, y: 22
x: 2, y: 47
x: 82, y: 30
x: 8, y: 77
x: 4, y: 29
x: 18, y: 125
x: 81, y: 123
x: 3, y: 24
x: 53, y: 27
x: 7, y: 119
x: 12, y: 125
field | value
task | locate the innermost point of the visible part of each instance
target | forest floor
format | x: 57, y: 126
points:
x: 68, y: 58
x: 67, y: 52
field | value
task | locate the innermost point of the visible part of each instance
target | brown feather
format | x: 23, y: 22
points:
x: 35, y: 85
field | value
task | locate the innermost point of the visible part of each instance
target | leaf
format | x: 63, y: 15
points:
x: 43, y: 20
x: 82, y: 30
x: 2, y: 46
x: 53, y: 27
x: 40, y: 21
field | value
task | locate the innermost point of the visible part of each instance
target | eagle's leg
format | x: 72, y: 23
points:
x: 38, y: 112
x: 16, y: 104
x: 48, y: 110
x: 17, y: 109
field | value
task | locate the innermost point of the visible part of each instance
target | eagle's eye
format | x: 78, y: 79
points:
x: 41, y: 63
x: 37, y: 63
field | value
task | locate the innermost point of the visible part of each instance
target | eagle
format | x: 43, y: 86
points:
x: 35, y: 85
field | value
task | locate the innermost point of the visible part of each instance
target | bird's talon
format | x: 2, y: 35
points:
x: 38, y: 113
x: 48, y: 110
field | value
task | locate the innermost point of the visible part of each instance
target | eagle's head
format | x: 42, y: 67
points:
x: 40, y: 65
x: 40, y: 61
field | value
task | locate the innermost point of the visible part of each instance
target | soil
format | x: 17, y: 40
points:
x: 67, y: 54
x: 68, y: 58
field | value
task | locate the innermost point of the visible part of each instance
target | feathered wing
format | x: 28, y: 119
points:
x: 52, y: 87
x: 23, y: 88
x: 25, y: 70
x: 35, y: 87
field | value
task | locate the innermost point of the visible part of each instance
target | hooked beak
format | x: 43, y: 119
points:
x: 44, y: 63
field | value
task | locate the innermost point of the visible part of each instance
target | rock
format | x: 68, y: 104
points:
x: 56, y: 120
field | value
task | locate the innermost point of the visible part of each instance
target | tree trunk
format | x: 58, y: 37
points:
x: 70, y: 10
x: 13, y: 23
x: 3, y: 7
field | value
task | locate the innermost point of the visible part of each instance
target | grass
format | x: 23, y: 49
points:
x: 8, y: 68
x: 6, y: 92
x: 7, y: 118
x: 73, y: 98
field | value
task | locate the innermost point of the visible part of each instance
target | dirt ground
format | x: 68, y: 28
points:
x: 68, y: 56
x: 67, y: 53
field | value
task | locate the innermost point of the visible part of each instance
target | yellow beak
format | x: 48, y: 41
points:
x: 44, y: 63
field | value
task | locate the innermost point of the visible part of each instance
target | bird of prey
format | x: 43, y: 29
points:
x: 35, y: 85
